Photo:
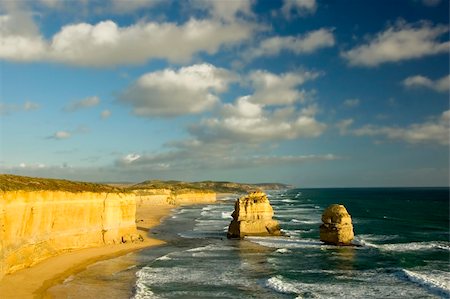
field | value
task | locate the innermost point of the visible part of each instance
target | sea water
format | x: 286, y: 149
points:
x: 403, y: 236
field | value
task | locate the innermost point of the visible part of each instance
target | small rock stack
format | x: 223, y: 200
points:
x: 252, y: 216
x: 337, y: 226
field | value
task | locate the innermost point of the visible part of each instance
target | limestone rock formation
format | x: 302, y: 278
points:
x: 252, y: 216
x: 337, y: 226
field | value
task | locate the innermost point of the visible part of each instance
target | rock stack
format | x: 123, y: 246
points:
x: 337, y: 226
x: 252, y: 216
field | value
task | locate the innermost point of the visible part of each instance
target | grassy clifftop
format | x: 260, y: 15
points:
x: 14, y: 183
x: 220, y: 187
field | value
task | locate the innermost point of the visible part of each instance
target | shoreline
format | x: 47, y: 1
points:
x: 33, y: 282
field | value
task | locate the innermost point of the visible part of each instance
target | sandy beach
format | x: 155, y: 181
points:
x: 34, y: 281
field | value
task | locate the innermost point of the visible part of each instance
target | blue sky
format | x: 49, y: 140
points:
x: 308, y: 92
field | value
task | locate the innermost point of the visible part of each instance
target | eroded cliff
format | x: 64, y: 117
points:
x: 36, y: 225
x: 337, y: 227
x: 252, y: 216
x: 167, y: 196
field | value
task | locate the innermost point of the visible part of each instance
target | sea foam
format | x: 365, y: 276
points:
x: 437, y: 282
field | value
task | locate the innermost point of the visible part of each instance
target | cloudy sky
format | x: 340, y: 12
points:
x: 314, y: 93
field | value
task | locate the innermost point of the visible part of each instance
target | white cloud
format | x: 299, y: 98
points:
x: 306, y: 44
x: 169, y: 92
x: 105, y: 114
x: 344, y: 125
x: 439, y: 85
x: 436, y: 130
x: 106, y: 44
x: 352, y: 102
x: 273, y: 89
x: 249, y: 123
x: 66, y: 134
x: 225, y: 10
x: 400, y: 42
x: 6, y: 109
x: 83, y: 103
x: 130, y: 158
x: 298, y: 7
x: 61, y: 135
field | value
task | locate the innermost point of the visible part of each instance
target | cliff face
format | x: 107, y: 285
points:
x: 337, y: 227
x: 166, y: 196
x: 35, y: 225
x: 252, y: 216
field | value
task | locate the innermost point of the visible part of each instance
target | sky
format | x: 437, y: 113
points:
x: 312, y: 93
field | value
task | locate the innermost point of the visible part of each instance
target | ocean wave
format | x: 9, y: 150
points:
x: 437, y: 282
x: 164, y: 258
x: 277, y: 284
x: 281, y: 242
x: 141, y: 290
x: 404, y: 247
x: 227, y: 215
x: 283, y: 250
x: 288, y: 200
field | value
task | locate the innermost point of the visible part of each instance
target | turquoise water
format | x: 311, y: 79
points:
x: 405, y: 249
x: 404, y: 252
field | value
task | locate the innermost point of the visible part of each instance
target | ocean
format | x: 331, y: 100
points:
x: 404, y: 251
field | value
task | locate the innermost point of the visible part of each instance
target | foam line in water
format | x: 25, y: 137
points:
x: 277, y: 284
x: 404, y: 247
x: 437, y: 284
x: 280, y: 242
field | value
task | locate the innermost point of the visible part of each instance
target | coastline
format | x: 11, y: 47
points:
x: 33, y: 282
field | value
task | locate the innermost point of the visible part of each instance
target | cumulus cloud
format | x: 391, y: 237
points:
x: 306, y: 44
x: 107, y: 44
x: 250, y: 123
x: 400, y: 42
x: 83, y: 103
x: 170, y: 92
x: 434, y: 131
x: 351, y: 102
x: 273, y: 89
x: 6, y: 109
x: 291, y: 8
x: 439, y: 85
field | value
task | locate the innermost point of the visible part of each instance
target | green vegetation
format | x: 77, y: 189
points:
x: 14, y: 183
x: 205, y: 186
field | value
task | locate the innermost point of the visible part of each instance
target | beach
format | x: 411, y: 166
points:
x: 34, y: 281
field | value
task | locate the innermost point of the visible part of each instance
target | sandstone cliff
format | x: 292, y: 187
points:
x: 167, y: 196
x: 337, y: 227
x: 36, y: 225
x: 252, y: 216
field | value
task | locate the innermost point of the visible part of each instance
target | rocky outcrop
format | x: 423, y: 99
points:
x: 337, y: 227
x: 252, y: 216
x: 35, y: 225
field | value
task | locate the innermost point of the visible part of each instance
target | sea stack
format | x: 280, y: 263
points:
x: 252, y: 216
x: 337, y: 226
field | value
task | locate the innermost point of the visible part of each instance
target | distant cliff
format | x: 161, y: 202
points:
x: 220, y: 187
